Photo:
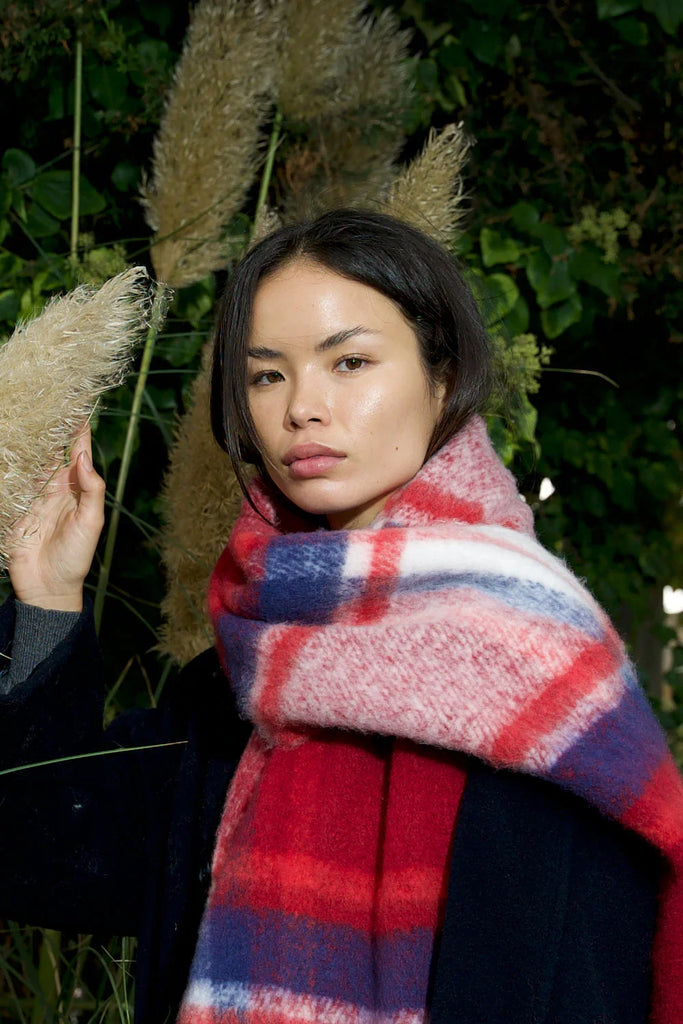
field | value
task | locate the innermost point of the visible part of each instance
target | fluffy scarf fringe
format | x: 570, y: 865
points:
x: 446, y: 623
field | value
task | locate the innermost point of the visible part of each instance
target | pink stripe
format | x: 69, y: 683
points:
x: 552, y: 707
x: 277, y: 656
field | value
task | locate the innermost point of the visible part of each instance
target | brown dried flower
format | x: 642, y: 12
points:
x: 429, y: 191
x: 354, y: 126
x: 207, y: 148
x: 314, y: 56
x: 202, y: 499
x: 52, y: 371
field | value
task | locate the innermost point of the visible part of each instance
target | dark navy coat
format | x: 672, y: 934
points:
x: 550, y: 910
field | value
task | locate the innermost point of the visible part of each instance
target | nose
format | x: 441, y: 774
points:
x: 307, y: 404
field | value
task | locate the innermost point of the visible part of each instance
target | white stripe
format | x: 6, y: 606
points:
x: 433, y: 555
x: 267, y: 1000
x: 358, y: 558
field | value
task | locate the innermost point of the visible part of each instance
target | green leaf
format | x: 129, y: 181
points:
x: 550, y: 279
x: 557, y: 319
x: 427, y: 75
x: 164, y: 399
x: 594, y: 501
x: 588, y: 265
x: 39, y: 223
x: 492, y: 8
x: 125, y: 176
x: 9, y: 265
x: 500, y: 296
x: 52, y: 190
x: 463, y: 244
x: 669, y: 13
x: 613, y: 8
x: 452, y: 56
x: 9, y: 305
x: 430, y: 30
x: 501, y: 438
x: 496, y: 248
x: 180, y: 350
x: 525, y: 417
x: 90, y: 200
x: 18, y: 166
x: 483, y: 38
x: 623, y: 490
x: 5, y: 197
x: 633, y: 31
x: 108, y: 87
x: 517, y: 320
x: 555, y: 242
x: 56, y: 106
x: 158, y: 13
x: 525, y: 217
x: 196, y: 301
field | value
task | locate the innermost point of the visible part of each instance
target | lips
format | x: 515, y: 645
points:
x: 309, y: 451
x: 311, y: 459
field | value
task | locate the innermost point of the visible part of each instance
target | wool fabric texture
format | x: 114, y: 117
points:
x: 443, y: 623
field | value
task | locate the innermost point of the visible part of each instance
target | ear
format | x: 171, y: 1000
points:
x: 441, y: 392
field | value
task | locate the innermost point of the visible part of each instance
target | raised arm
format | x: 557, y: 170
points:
x: 53, y: 545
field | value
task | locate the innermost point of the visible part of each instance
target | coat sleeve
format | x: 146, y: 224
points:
x: 77, y: 837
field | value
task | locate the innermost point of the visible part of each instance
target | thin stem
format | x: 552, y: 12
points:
x: 588, y: 373
x: 93, y: 753
x: 268, y: 166
x: 76, y: 157
x: 48, y: 976
x: 133, y: 423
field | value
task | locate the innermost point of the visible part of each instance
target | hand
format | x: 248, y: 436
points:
x: 52, y: 546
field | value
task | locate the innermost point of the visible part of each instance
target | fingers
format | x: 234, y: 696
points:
x: 82, y: 443
x: 92, y: 490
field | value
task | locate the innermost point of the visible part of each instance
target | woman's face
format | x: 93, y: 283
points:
x: 337, y: 392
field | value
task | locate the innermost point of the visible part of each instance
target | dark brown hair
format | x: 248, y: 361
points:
x: 399, y: 261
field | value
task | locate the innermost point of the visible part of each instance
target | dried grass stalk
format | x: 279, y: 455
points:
x: 314, y: 56
x: 348, y: 158
x: 202, y: 499
x: 207, y: 149
x: 429, y: 192
x: 266, y: 221
x: 52, y: 371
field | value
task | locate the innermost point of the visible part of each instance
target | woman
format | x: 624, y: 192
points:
x: 392, y: 629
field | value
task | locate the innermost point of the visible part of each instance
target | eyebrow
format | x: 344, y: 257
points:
x: 332, y: 341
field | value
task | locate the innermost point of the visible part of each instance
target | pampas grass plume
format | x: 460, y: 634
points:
x: 429, y: 191
x: 317, y: 36
x: 354, y: 113
x: 202, y: 499
x: 207, y: 149
x: 52, y: 371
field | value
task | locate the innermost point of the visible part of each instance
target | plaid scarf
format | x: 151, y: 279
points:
x: 444, y: 623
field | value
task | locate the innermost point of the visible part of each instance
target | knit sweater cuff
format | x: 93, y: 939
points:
x: 37, y: 632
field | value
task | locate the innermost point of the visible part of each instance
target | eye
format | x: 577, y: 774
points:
x: 266, y: 377
x: 350, y: 363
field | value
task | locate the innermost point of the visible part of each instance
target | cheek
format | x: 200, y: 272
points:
x: 264, y: 416
x: 403, y: 412
x: 368, y: 411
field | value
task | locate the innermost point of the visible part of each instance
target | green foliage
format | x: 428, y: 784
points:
x: 56, y: 979
x: 573, y: 246
x: 576, y: 195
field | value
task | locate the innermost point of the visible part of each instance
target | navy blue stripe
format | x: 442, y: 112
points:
x: 610, y: 765
x: 327, y: 960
